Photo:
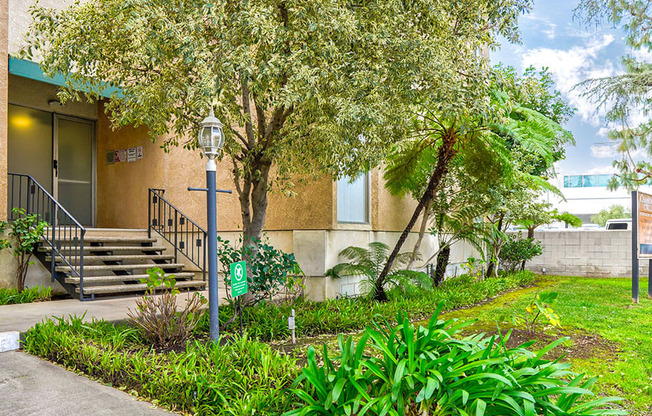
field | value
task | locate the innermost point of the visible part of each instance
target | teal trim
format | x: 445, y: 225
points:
x: 28, y: 69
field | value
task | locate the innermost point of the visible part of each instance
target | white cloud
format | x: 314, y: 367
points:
x: 600, y: 170
x: 602, y: 151
x: 572, y: 66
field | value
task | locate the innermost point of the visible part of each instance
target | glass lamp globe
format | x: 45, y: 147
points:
x: 211, y: 136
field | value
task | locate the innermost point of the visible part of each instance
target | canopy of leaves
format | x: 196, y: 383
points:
x: 626, y: 96
x: 614, y: 212
x: 309, y: 84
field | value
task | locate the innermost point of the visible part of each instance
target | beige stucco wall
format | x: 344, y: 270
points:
x: 4, y: 86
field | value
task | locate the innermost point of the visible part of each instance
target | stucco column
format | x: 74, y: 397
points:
x: 4, y: 88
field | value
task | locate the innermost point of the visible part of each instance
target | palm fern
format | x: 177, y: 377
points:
x: 369, y: 263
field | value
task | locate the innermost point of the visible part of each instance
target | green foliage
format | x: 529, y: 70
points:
x: 614, y: 212
x: 269, y: 322
x: 474, y: 268
x: 32, y: 294
x: 240, y: 377
x: 157, y: 316
x: 25, y: 232
x: 625, y: 96
x: 541, y: 305
x: 369, y: 263
x: 296, y: 84
x: 269, y: 270
x: 517, y: 250
x: 416, y: 370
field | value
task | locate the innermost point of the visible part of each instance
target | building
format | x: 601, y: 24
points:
x: 105, y: 178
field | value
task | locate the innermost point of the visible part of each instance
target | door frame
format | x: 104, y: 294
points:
x: 55, y: 156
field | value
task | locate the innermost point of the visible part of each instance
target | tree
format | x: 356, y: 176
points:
x: 626, y: 95
x: 614, y: 212
x: 503, y: 130
x: 303, y: 86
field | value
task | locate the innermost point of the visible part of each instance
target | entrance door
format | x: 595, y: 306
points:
x: 73, y: 167
x: 57, y: 151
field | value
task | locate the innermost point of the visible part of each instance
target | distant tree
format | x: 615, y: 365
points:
x: 627, y: 95
x: 614, y: 212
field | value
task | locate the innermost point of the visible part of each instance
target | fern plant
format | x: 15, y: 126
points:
x: 369, y: 262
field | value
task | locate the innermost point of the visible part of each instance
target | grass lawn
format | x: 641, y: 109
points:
x: 610, y: 336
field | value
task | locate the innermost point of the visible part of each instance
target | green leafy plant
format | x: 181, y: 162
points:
x: 474, y: 267
x: 157, y: 316
x: 540, y: 306
x: 240, y: 377
x: 28, y: 295
x: 369, y: 262
x: 270, y: 271
x: 517, y: 250
x: 25, y: 232
x: 414, y: 370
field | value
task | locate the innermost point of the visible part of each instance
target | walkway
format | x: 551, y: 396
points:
x: 30, y: 386
x: 22, y: 317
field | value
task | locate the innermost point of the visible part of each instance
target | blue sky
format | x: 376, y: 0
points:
x: 551, y: 38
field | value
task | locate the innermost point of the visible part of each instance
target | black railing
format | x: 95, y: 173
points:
x: 181, y: 232
x: 64, y: 234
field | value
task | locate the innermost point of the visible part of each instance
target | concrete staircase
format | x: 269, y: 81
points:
x: 114, y: 263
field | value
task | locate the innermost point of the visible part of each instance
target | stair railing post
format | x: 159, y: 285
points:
x: 81, y: 265
x: 149, y: 213
x: 29, y: 194
x: 176, y: 235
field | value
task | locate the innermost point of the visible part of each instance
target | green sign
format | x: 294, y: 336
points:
x: 238, y: 279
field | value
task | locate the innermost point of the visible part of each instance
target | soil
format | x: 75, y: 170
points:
x: 582, y: 345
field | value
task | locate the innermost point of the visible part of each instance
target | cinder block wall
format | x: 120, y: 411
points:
x: 586, y: 253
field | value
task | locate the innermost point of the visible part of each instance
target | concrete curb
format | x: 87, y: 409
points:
x: 9, y: 341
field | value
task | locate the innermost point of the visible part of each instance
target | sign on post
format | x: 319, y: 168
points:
x: 238, y: 279
x: 644, y: 216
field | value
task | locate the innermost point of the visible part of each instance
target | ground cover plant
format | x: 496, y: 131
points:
x: 415, y: 370
x: 251, y: 376
x: 13, y: 296
x: 241, y: 377
x: 268, y: 321
x: 609, y: 335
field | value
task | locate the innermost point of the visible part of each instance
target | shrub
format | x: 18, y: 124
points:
x: 541, y: 305
x: 516, y: 251
x: 240, y: 377
x: 157, y: 316
x: 28, y: 295
x: 269, y: 271
x: 26, y: 230
x: 269, y: 322
x: 369, y: 263
x: 416, y: 370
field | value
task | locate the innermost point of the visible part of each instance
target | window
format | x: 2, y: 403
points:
x: 574, y: 181
x: 603, y: 180
x: 353, y: 199
x: 590, y: 181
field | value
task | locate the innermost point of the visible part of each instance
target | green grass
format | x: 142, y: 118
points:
x: 594, y: 306
x: 32, y: 294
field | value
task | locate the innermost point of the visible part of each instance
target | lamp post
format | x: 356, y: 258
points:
x: 211, y: 140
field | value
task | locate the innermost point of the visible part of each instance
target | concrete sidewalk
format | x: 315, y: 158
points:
x: 30, y: 386
x: 24, y: 316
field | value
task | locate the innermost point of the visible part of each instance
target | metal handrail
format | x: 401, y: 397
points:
x: 35, y: 199
x: 176, y: 228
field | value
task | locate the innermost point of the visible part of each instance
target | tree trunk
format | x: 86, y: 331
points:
x: 492, y: 269
x: 444, y: 155
x: 422, y: 231
x: 530, y: 236
x: 442, y: 262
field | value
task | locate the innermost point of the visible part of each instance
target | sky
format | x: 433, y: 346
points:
x: 551, y: 38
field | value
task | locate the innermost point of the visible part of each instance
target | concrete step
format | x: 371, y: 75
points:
x: 92, y: 280
x: 141, y: 287
x: 67, y: 240
x: 93, y: 249
x: 117, y: 257
x: 125, y: 267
